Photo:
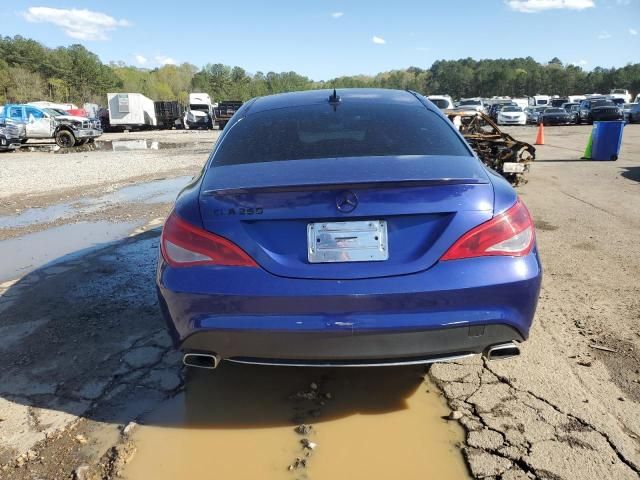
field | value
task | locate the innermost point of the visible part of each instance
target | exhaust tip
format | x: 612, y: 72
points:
x: 201, y: 360
x: 503, y: 351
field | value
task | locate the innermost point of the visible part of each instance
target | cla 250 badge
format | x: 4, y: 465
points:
x: 237, y: 211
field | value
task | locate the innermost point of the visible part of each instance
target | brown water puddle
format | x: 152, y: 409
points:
x: 238, y: 423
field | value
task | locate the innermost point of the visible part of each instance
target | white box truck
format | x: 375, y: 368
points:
x: 131, y: 110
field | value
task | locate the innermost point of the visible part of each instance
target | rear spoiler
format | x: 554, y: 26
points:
x: 344, y: 186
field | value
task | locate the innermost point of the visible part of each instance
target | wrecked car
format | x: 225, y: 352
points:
x: 498, y: 150
x: 9, y: 136
x: 40, y: 123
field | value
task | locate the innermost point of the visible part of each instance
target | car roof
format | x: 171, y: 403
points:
x: 351, y: 95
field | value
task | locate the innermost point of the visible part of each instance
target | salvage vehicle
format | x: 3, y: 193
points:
x: 9, y: 136
x: 200, y: 112
x: 598, y: 109
x: 494, y: 109
x: 634, y: 113
x: 496, y: 149
x: 621, y: 93
x: 224, y: 110
x: 555, y: 116
x: 533, y: 114
x: 511, y: 115
x: 476, y: 104
x: 539, y: 101
x: 349, y: 228
x: 443, y: 102
x: 41, y: 123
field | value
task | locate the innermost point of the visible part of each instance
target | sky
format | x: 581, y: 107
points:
x: 323, y: 39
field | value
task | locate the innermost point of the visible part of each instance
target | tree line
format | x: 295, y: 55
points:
x: 30, y: 71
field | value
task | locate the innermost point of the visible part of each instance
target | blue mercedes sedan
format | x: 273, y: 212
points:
x: 346, y: 228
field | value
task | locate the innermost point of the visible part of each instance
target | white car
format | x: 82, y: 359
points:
x: 512, y: 115
x: 471, y: 104
x: 443, y: 102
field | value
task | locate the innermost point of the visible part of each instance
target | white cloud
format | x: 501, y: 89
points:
x: 378, y: 40
x: 337, y: 14
x: 161, y: 59
x: 633, y: 31
x: 580, y: 63
x: 141, y: 60
x: 81, y: 24
x: 603, y: 35
x: 534, y: 6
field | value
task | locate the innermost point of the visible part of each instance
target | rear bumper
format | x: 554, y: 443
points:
x: 349, y: 347
x: 454, y: 308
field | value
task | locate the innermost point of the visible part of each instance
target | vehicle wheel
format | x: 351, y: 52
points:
x: 24, y: 140
x: 65, y: 139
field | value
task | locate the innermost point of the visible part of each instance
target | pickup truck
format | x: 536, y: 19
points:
x: 41, y: 123
x: 9, y: 136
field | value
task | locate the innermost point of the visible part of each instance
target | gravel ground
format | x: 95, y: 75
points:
x: 568, y: 408
x: 34, y: 178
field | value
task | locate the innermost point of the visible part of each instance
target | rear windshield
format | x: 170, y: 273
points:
x: 440, y: 102
x: 554, y: 110
x: 511, y: 108
x: 352, y: 130
x: 602, y: 103
x: 470, y: 102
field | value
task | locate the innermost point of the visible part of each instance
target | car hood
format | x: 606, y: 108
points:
x: 71, y: 118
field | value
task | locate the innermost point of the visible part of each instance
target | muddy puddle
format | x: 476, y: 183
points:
x: 239, y: 422
x: 158, y: 191
x: 27, y: 253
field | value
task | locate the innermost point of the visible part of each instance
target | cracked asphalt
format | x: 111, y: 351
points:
x: 83, y: 350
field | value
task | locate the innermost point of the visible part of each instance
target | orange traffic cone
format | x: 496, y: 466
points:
x: 540, y: 137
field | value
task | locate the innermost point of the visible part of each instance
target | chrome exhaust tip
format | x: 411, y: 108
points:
x: 502, y: 351
x: 201, y: 360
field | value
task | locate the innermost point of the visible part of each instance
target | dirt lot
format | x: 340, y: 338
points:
x: 83, y: 351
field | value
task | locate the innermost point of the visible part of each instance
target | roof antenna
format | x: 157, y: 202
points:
x: 334, y: 100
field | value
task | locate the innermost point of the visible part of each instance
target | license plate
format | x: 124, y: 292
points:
x: 361, y: 241
x: 512, y: 167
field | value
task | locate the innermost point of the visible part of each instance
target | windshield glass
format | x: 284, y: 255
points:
x: 199, y: 107
x: 53, y: 112
x: 511, y: 108
x: 470, y: 102
x: 603, y: 103
x: 440, y: 102
x: 355, y: 130
x: 554, y: 110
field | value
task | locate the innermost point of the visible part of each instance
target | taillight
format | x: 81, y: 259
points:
x: 511, y: 233
x: 183, y: 245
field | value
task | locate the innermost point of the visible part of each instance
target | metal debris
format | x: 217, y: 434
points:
x: 498, y: 150
x: 603, y: 348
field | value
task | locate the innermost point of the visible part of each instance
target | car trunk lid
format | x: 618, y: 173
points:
x: 424, y: 202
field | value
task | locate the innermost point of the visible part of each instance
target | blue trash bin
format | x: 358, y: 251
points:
x: 607, y: 139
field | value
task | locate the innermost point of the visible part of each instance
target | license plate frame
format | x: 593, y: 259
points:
x: 346, y: 242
